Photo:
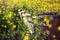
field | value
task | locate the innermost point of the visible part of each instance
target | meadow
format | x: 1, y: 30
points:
x: 11, y: 26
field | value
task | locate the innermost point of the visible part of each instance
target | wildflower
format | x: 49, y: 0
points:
x: 14, y: 14
x: 0, y: 0
x: 26, y: 37
x: 2, y: 25
x: 45, y: 19
x: 11, y: 23
x: 2, y: 6
x: 54, y: 36
x: 0, y: 11
x: 58, y: 28
x: 3, y: 18
x: 10, y: 14
x: 14, y: 26
x: 51, y: 18
x: 5, y: 26
x: 8, y: 21
x: 49, y: 25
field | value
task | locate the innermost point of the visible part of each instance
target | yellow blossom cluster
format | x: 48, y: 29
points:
x: 48, y: 21
x: 26, y: 37
x: 9, y: 15
x: 58, y: 28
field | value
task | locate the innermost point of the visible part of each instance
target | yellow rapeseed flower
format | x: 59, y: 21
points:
x: 26, y: 37
x: 8, y: 21
x: 51, y: 18
x: 56, y: 8
x: 50, y: 25
x: 11, y: 23
x: 2, y: 25
x: 45, y: 19
x: 0, y: 0
x: 10, y: 14
x: 2, y: 6
x: 14, y: 26
x: 15, y: 1
x: 14, y: 14
x: 0, y: 11
x: 3, y: 18
x: 54, y: 36
x: 58, y: 28
x: 5, y: 26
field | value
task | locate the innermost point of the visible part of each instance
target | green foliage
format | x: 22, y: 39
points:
x: 10, y: 23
